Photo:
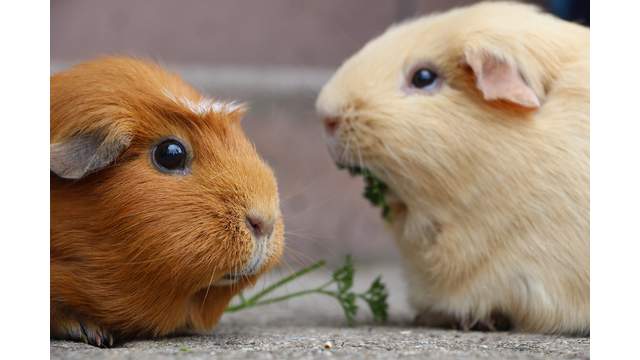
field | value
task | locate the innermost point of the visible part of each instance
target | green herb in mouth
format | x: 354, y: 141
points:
x: 374, y: 189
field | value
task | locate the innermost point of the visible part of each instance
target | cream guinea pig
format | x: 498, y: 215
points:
x: 477, y: 120
x: 161, y: 209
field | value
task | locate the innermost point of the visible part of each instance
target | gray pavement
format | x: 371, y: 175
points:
x: 314, y: 327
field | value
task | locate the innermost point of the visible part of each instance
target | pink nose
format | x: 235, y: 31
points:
x: 331, y: 124
x: 259, y: 226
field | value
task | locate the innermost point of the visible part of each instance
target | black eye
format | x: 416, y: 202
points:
x: 424, y: 79
x: 170, y: 155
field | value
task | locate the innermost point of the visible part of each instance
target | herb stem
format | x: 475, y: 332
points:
x: 321, y: 287
x: 342, y: 278
x: 254, y: 300
x: 279, y: 298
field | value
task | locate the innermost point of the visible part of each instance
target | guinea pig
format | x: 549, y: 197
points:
x: 161, y: 209
x: 477, y: 121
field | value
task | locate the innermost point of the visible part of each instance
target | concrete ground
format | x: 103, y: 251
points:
x: 313, y: 327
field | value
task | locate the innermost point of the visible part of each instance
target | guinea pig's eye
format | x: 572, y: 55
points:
x: 170, y: 155
x: 424, y: 78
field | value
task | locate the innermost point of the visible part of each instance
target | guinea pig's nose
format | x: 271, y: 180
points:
x: 331, y: 124
x: 260, y: 227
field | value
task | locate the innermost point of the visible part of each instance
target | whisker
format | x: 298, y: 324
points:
x: 210, y: 282
x: 315, y: 205
x: 299, y: 256
x: 315, y: 180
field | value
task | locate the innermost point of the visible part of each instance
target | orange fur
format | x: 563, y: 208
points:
x: 134, y: 252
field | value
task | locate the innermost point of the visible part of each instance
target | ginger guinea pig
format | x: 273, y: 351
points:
x: 161, y: 209
x: 477, y: 121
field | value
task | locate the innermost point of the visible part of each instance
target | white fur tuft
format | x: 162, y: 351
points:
x: 204, y: 105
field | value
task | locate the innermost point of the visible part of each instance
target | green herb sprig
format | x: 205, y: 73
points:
x: 338, y: 287
x: 374, y: 190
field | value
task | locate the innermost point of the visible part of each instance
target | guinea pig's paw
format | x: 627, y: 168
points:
x: 96, y: 335
x: 436, y: 319
x: 397, y: 210
x: 496, y: 321
x: 89, y: 333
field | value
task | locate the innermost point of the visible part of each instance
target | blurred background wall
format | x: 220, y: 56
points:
x: 275, y: 55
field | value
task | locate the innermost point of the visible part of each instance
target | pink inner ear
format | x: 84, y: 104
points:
x: 498, y: 79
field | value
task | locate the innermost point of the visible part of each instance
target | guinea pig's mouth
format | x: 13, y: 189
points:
x: 228, y: 279
x: 253, y: 267
x: 233, y: 277
x: 375, y: 190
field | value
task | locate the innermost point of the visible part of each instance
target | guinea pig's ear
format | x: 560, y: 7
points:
x: 499, y: 78
x: 83, y: 154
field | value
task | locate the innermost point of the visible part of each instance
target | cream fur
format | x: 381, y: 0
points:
x: 490, y: 201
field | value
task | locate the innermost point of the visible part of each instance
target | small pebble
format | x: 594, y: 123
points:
x: 328, y: 345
